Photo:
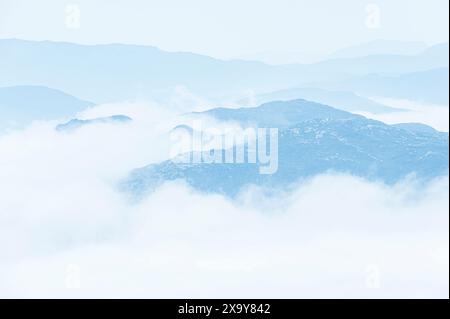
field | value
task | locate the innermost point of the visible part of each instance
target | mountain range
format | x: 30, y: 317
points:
x: 313, y: 139
x: 117, y: 72
x: 378, y: 47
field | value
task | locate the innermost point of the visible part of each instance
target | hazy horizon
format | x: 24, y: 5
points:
x: 204, y: 28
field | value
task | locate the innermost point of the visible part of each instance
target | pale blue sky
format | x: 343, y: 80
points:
x: 231, y: 28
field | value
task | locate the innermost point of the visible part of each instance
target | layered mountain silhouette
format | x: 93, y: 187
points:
x: 313, y: 139
x: 343, y: 100
x: 116, y: 72
x: 378, y: 47
x: 430, y: 86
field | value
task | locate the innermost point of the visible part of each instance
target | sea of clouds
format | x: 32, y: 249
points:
x: 434, y: 115
x: 67, y: 231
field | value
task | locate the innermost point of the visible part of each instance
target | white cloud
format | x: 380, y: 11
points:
x: 65, y: 231
x: 436, y: 116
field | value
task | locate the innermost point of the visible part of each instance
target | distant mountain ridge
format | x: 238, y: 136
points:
x: 378, y: 47
x: 430, y: 86
x: 116, y: 72
x: 20, y: 105
x: 343, y: 100
x: 279, y: 114
x: 313, y: 139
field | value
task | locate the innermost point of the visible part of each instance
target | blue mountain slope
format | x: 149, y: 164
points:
x: 20, y: 105
x: 279, y: 114
x: 313, y: 139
